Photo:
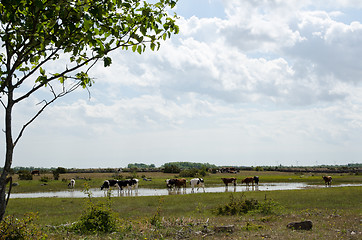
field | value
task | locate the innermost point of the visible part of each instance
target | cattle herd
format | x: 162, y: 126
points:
x: 181, y: 183
x: 173, y: 184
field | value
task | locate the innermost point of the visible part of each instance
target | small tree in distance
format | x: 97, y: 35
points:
x: 74, y: 34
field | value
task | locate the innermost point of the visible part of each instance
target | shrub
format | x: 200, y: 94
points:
x: 243, y: 206
x: 97, y: 217
x: 171, y: 169
x: 61, y: 170
x: 14, y: 228
x: 132, y: 175
x: 193, y: 173
x: 25, y: 175
x: 155, y: 220
x: 269, y: 206
x: 56, y: 174
x: 117, y: 176
x: 44, y: 179
x: 189, y: 173
x: 259, y: 168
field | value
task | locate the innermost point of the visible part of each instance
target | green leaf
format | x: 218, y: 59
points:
x: 139, y: 49
x: 134, y: 48
x: 42, y: 71
x: 107, y: 61
x: 152, y: 46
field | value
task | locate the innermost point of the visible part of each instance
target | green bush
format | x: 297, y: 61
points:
x: 155, y: 220
x: 193, y: 173
x: 269, y: 206
x: 61, y: 170
x: 14, y: 228
x: 97, y: 217
x: 25, y: 175
x: 171, y: 169
x: 118, y: 176
x: 242, y: 206
x: 44, y: 179
x: 258, y: 168
x: 132, y: 175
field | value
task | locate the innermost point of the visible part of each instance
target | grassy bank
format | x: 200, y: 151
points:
x: 335, y: 212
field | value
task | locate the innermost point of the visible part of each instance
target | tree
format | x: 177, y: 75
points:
x: 74, y: 34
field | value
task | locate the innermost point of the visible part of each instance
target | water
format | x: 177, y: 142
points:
x: 70, y: 193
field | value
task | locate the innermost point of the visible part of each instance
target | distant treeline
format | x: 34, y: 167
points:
x: 176, y: 167
x: 189, y: 165
x: 140, y: 165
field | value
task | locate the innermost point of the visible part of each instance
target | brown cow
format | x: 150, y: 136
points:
x: 248, y: 180
x: 229, y: 180
x: 327, y: 180
x: 177, y: 183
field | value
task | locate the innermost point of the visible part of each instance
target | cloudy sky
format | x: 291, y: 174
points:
x: 245, y: 83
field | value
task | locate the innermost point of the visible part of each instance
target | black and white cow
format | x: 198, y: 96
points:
x: 197, y: 182
x: 107, y: 184
x: 129, y: 184
x: 71, y: 183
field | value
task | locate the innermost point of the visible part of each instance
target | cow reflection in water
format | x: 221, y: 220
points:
x: 175, y: 191
x: 128, y: 194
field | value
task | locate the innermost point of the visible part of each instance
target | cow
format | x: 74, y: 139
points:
x: 35, y: 172
x: 129, y: 184
x: 133, y: 184
x: 229, y: 180
x: 327, y: 180
x: 256, y: 180
x: 197, y: 182
x: 176, y: 183
x: 110, y: 183
x: 248, y: 180
x: 71, y: 183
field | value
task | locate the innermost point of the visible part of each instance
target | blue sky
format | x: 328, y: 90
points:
x: 245, y: 83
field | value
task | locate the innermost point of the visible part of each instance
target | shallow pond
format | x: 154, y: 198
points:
x: 70, y: 193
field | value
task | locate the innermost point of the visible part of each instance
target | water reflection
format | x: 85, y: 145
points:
x: 72, y: 193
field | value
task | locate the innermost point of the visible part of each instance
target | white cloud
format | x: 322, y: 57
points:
x: 274, y: 82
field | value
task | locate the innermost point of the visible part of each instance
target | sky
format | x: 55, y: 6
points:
x: 244, y: 83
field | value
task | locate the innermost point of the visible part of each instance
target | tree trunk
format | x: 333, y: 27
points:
x: 8, y: 155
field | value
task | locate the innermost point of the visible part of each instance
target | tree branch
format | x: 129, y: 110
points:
x: 46, y: 104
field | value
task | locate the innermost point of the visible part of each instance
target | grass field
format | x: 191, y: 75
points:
x: 336, y: 212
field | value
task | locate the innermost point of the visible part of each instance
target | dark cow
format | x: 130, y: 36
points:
x: 229, y: 180
x: 177, y: 183
x: 256, y: 180
x: 327, y: 180
x: 110, y: 183
x: 248, y: 180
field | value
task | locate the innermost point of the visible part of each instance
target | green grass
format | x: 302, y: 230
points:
x: 335, y: 213
x: 60, y: 210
